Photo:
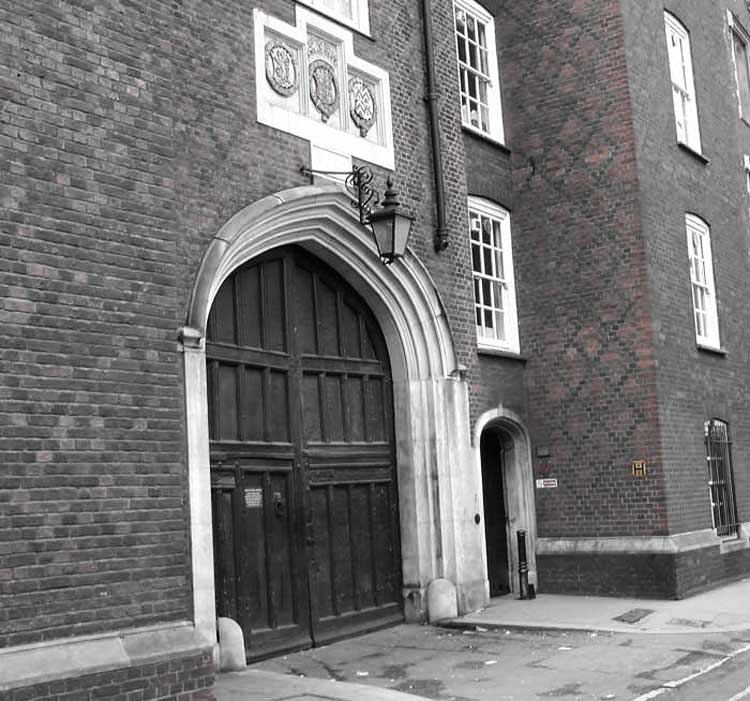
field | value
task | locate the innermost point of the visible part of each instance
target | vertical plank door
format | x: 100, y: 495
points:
x: 302, y: 457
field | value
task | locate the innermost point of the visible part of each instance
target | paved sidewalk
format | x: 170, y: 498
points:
x: 721, y: 610
x: 260, y: 685
x: 724, y: 609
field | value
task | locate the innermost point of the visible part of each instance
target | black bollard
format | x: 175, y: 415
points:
x: 523, y: 565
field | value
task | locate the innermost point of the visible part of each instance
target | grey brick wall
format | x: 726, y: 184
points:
x: 93, y: 521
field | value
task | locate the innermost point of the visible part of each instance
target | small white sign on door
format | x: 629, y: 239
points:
x: 253, y: 498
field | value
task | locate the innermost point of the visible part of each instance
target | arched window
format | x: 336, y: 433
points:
x: 721, y: 478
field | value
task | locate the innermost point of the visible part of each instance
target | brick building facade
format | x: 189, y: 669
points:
x: 216, y: 400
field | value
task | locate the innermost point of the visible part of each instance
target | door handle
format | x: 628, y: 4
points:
x: 279, y: 505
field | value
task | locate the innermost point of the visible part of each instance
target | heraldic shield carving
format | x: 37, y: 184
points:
x: 362, y: 107
x: 282, y: 72
x: 324, y: 92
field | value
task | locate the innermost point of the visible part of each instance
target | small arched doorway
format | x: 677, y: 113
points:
x: 303, y: 472
x: 492, y: 455
x: 503, y: 457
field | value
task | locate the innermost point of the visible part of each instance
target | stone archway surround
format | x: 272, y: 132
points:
x: 438, y: 492
x: 518, y: 479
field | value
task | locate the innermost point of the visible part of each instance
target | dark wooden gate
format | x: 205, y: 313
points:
x: 302, y: 457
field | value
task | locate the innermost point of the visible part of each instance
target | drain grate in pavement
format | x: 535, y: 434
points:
x: 633, y: 616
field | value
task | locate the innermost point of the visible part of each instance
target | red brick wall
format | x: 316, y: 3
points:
x: 647, y: 575
x: 694, y: 385
x: 583, y: 294
x: 494, y: 380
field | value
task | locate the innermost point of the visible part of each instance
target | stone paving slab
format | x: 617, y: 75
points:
x: 263, y: 685
x: 497, y: 665
x: 724, y: 609
x: 551, y: 647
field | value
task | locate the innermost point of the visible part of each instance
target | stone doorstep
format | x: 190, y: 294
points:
x: 27, y: 665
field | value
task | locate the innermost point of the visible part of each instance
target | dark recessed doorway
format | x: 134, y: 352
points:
x: 492, y: 450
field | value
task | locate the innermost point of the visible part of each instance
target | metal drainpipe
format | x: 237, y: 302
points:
x: 431, y: 98
x: 441, y: 232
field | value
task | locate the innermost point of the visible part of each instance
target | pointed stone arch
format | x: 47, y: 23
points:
x: 437, y: 505
x: 519, y: 484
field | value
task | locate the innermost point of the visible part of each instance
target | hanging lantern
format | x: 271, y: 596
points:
x: 390, y: 226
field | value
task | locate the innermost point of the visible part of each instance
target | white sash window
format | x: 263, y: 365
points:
x: 479, y: 83
x: 683, y: 88
x: 741, y: 59
x: 353, y: 13
x: 702, y: 282
x: 494, y: 285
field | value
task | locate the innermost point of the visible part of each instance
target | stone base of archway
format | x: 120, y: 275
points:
x: 444, y: 598
x: 473, y: 595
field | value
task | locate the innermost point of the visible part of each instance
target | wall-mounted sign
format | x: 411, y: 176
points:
x: 253, y: 497
x: 639, y: 468
x: 547, y: 483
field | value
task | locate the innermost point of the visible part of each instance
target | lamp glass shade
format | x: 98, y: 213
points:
x: 391, y: 230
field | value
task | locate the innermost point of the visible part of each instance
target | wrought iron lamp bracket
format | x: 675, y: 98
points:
x: 357, y: 184
x: 390, y: 226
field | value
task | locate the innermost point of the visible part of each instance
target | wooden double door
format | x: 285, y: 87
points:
x: 306, y: 536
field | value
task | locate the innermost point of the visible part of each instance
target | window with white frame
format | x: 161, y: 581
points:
x: 702, y: 282
x: 721, y: 478
x: 492, y: 265
x: 479, y: 83
x: 683, y: 87
x: 741, y: 58
x: 353, y: 13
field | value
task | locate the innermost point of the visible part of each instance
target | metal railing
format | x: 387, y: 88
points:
x: 721, y: 478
